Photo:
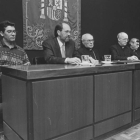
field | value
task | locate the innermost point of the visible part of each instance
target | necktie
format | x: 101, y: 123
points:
x: 63, y: 51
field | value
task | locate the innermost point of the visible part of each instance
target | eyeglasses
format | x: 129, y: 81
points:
x: 90, y: 40
x: 125, y: 39
x: 11, y: 31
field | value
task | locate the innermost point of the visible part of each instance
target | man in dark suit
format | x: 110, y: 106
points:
x: 122, y: 51
x: 134, y: 46
x: 61, y: 49
x: 87, y: 48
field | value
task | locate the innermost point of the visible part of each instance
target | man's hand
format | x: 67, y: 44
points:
x: 73, y: 60
x: 93, y: 61
x: 28, y: 63
x: 132, y: 58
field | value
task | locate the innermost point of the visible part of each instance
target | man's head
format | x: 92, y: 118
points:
x: 88, y: 40
x: 7, y: 31
x: 134, y: 43
x: 122, y: 39
x: 63, y: 32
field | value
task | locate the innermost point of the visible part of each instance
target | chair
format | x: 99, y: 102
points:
x: 39, y: 60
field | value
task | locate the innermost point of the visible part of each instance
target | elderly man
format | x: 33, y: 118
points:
x: 87, y: 47
x: 10, y: 53
x: 134, y: 45
x: 121, y: 51
x: 61, y: 49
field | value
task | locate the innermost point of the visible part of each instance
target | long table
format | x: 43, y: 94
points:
x: 69, y: 102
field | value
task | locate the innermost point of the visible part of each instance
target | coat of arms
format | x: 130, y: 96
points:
x: 41, y: 16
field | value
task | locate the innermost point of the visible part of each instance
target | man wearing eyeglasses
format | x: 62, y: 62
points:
x: 121, y: 51
x: 134, y: 46
x: 61, y: 49
x: 10, y: 52
x: 87, y: 48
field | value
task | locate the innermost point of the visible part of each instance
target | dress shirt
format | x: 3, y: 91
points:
x: 52, y: 51
x: 62, y: 48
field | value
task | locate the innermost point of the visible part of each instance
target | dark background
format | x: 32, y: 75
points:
x: 102, y: 18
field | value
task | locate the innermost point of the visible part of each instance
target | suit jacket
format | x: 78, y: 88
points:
x: 136, y: 53
x: 52, y: 52
x: 119, y: 53
x: 91, y: 52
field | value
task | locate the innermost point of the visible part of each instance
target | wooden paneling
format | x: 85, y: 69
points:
x: 14, y: 105
x: 84, y: 134
x: 69, y: 104
x: 62, y: 105
x: 0, y: 88
x: 112, y: 124
x: 113, y: 94
x: 10, y: 134
x: 55, y: 70
x: 136, y: 85
x: 137, y: 114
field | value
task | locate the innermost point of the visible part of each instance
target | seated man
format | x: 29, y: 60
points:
x: 87, y: 48
x: 61, y: 49
x: 121, y: 51
x: 10, y: 53
x: 134, y: 45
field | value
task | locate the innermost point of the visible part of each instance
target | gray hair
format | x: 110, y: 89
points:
x: 121, y: 34
x: 85, y: 36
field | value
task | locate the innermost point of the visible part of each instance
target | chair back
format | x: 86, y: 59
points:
x: 39, y: 60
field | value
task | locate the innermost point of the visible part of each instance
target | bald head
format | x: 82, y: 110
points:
x: 88, y: 40
x: 122, y: 39
x: 87, y: 36
x: 122, y: 35
x: 134, y: 44
x: 134, y: 40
